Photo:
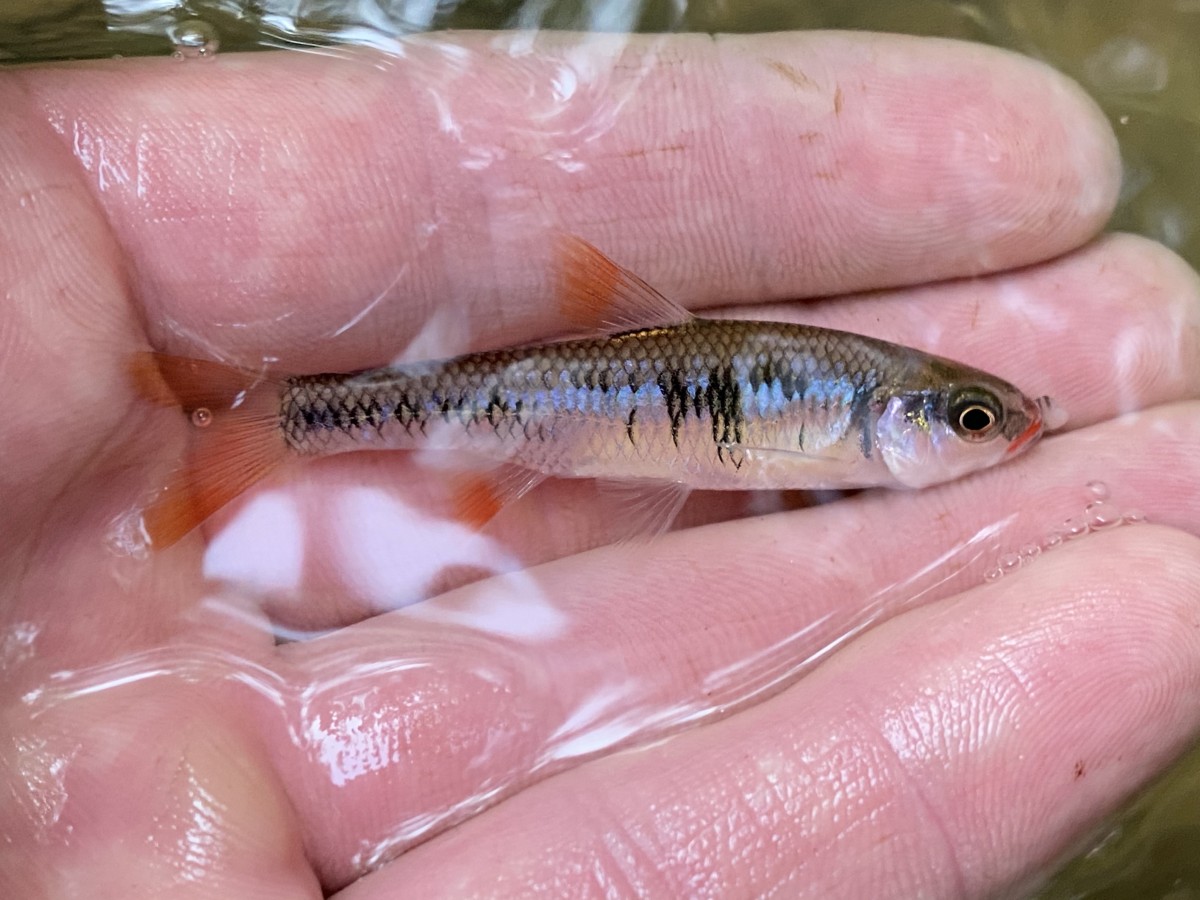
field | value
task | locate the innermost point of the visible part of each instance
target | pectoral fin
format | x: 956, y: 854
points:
x: 647, y: 508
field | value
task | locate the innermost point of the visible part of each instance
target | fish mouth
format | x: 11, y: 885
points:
x: 1033, y: 410
x: 1022, y: 439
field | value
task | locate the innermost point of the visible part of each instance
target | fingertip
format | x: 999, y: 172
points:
x: 1091, y: 148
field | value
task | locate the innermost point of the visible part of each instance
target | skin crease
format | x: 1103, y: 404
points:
x: 953, y: 750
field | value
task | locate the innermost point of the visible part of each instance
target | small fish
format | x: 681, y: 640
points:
x: 657, y: 398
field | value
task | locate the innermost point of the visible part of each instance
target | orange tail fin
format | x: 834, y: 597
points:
x: 236, y: 440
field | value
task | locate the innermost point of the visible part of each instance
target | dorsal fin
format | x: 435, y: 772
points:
x: 597, y: 296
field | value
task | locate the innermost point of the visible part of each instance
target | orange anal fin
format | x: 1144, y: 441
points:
x: 598, y: 296
x: 234, y: 438
x: 477, y: 497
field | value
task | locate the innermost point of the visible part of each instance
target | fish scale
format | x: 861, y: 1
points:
x: 658, y: 403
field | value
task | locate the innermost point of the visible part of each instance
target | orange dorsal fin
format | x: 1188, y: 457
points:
x: 235, y: 439
x: 598, y: 296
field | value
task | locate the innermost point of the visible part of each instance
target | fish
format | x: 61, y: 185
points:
x: 646, y: 396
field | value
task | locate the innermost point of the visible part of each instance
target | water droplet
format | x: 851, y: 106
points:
x: 1099, y: 514
x: 1102, y: 515
x: 16, y: 646
x: 201, y: 417
x: 1009, y: 562
x: 194, y: 39
x: 1076, y: 526
x: 127, y: 536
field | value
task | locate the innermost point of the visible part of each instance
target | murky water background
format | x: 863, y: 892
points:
x: 1139, y: 60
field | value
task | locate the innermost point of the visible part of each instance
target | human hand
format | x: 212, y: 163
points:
x: 158, y: 740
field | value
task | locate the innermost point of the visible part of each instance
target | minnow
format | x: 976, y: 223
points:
x: 658, y: 398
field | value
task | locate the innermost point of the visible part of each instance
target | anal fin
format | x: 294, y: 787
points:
x: 478, y: 496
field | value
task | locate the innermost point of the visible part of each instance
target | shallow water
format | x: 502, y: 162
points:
x: 1138, y: 61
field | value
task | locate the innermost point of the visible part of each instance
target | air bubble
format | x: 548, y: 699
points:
x: 1075, y: 527
x: 1102, y: 515
x: 1126, y: 65
x: 1053, y: 540
x: 201, y: 417
x: 1099, y: 514
x: 194, y: 39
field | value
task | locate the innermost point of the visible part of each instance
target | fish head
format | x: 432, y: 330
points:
x: 946, y: 428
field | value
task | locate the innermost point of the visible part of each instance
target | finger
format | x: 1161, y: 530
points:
x: 740, y: 168
x: 108, y: 792
x: 72, y: 439
x: 413, y: 720
x: 954, y: 751
x: 1110, y: 328
x: 64, y: 305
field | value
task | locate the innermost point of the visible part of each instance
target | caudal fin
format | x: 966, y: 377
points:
x: 235, y: 437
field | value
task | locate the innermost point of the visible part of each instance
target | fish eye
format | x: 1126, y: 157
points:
x: 975, y: 415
